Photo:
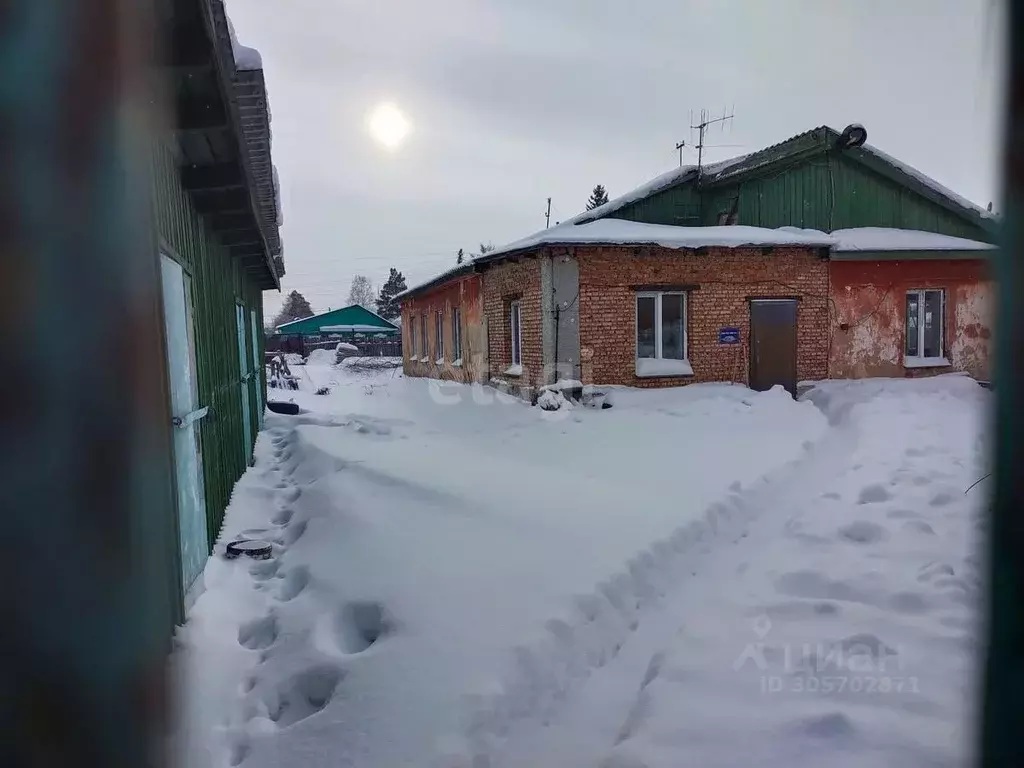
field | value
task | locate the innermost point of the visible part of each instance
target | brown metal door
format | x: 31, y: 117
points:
x: 773, y: 344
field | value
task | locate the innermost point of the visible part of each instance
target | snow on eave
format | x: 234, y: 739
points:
x: 245, y: 58
x: 458, y: 270
x: 931, y: 183
x: 623, y: 232
x: 890, y: 239
x: 657, y: 184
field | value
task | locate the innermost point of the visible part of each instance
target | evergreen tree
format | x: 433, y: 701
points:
x: 361, y: 292
x: 598, y: 197
x: 486, y: 248
x: 295, y: 307
x: 460, y: 257
x: 387, y: 307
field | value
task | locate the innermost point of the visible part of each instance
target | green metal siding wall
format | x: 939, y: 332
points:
x: 217, y: 285
x: 678, y: 206
x: 801, y: 195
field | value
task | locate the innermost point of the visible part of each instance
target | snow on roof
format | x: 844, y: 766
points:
x: 464, y: 268
x: 622, y: 232
x: 657, y: 184
x: 928, y: 181
x: 885, y: 239
x: 245, y: 57
x: 277, y: 196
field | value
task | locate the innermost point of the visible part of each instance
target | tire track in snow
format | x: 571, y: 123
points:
x: 544, y: 673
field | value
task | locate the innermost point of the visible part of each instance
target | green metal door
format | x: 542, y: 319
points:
x: 243, y: 384
x: 257, y: 368
x: 185, y: 415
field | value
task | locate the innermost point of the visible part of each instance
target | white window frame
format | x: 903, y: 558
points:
x: 515, y: 320
x: 658, y: 365
x: 439, y: 334
x: 457, y: 334
x: 920, y: 360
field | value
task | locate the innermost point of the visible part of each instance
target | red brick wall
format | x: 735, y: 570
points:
x: 870, y: 299
x: 462, y: 292
x: 727, y: 277
x: 502, y: 283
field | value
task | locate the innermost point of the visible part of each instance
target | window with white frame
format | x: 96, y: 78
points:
x: 924, y: 327
x: 457, y: 333
x: 515, y: 323
x: 412, y: 338
x: 661, y: 334
x: 423, y: 336
x: 439, y: 334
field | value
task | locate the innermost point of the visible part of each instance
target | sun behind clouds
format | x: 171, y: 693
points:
x: 388, y: 126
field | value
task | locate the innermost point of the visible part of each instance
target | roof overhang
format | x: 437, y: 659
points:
x: 458, y: 272
x: 211, y: 145
x: 978, y: 255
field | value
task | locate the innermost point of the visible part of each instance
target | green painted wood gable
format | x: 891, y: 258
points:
x: 218, y: 286
x: 807, y: 182
x: 354, y: 315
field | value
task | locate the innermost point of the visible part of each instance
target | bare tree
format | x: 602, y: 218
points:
x: 361, y: 293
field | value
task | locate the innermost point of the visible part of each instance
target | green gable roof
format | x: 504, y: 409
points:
x: 355, y: 319
x: 685, y: 197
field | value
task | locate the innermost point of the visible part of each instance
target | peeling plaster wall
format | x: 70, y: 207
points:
x: 869, y: 299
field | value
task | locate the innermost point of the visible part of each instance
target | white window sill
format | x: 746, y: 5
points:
x: 925, y: 362
x: 514, y: 370
x: 439, y: 361
x: 457, y: 363
x: 424, y: 359
x: 652, y: 366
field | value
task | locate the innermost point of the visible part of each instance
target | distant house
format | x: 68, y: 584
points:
x: 347, y: 323
x: 216, y: 248
x: 819, y: 256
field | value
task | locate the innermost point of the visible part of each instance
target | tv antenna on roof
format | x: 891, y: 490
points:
x: 707, y: 121
x: 680, y: 146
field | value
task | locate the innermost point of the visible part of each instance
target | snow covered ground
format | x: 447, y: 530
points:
x: 703, y: 575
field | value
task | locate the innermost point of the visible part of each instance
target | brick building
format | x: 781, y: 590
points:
x: 892, y: 280
x: 444, y: 333
x: 616, y: 302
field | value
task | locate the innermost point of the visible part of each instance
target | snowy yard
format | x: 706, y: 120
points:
x: 699, y: 576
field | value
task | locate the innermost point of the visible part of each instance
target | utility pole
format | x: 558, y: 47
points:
x: 547, y: 216
x: 705, y: 121
x: 680, y: 146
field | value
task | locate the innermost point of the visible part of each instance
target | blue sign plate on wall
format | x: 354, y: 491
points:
x: 728, y: 335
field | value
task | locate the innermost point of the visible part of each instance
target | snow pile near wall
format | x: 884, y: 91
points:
x: 321, y: 357
x: 344, y: 346
x: 552, y: 400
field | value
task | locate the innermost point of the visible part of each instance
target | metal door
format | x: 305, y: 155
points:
x: 243, y: 372
x: 185, y: 414
x: 257, y: 368
x: 773, y: 344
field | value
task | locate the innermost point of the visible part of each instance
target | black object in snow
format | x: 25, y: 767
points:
x: 257, y: 550
x: 289, y: 409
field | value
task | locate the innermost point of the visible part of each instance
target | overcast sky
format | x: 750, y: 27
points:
x: 512, y: 101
